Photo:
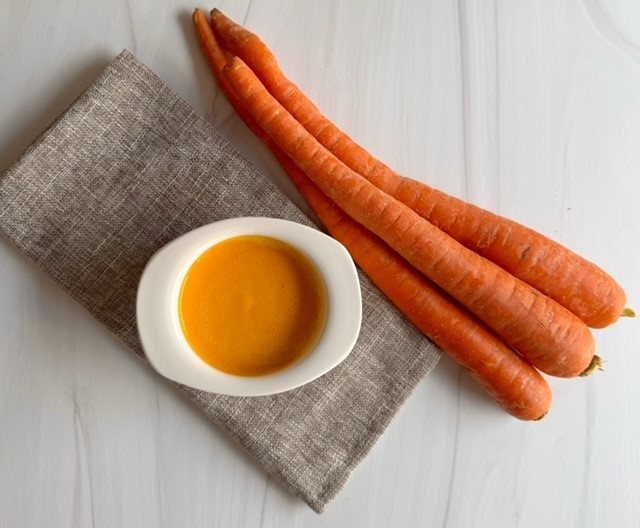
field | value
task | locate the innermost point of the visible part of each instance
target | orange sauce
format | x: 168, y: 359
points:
x: 252, y: 305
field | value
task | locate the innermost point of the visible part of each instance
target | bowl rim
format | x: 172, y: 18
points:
x: 157, y: 313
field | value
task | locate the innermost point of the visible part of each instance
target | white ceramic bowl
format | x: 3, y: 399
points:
x: 159, y: 327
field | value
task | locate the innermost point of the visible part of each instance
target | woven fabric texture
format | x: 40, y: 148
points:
x: 128, y: 167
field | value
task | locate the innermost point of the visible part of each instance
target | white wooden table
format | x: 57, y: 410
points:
x: 530, y: 108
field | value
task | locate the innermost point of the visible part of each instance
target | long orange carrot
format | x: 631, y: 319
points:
x: 579, y: 285
x: 216, y: 56
x: 510, y: 380
x: 548, y: 335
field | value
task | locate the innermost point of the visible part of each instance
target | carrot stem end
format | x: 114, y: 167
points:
x: 596, y: 364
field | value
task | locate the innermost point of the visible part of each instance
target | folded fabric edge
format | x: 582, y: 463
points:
x: 336, y: 483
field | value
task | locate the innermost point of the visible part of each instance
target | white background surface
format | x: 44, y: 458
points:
x: 530, y: 108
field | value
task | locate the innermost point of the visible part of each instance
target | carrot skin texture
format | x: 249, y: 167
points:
x: 549, y: 336
x: 215, y: 55
x: 508, y: 378
x: 534, y: 258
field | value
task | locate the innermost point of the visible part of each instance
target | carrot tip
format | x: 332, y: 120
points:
x: 596, y: 364
x: 628, y: 312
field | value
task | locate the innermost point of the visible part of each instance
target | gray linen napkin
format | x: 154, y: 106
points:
x: 127, y: 168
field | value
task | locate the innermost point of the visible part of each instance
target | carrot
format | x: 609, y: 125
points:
x: 545, y: 333
x: 536, y: 259
x: 509, y: 379
x: 215, y: 55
